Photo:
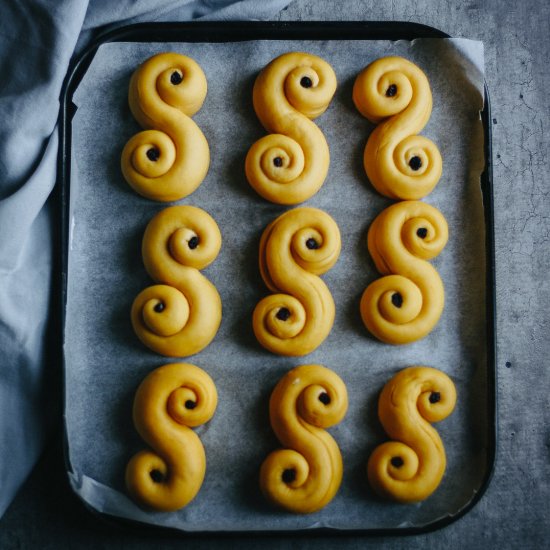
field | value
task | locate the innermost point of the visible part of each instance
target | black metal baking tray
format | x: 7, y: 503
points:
x: 306, y: 31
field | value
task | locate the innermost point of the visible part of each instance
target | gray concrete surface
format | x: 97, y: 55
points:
x: 515, y: 511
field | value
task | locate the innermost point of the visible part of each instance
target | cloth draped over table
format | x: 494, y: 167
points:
x: 38, y: 39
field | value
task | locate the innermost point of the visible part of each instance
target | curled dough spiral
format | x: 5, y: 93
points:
x: 305, y: 476
x: 410, y: 468
x: 395, y: 93
x: 181, y: 316
x: 294, y: 249
x: 290, y: 165
x: 405, y: 305
x: 168, y: 160
x: 169, y: 402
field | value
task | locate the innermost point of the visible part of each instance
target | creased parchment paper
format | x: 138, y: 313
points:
x: 105, y: 362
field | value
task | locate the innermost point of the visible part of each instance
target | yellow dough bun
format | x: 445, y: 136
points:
x: 395, y: 94
x: 410, y: 468
x: 181, y: 315
x: 305, y: 475
x: 170, y: 159
x: 406, y: 304
x: 289, y: 165
x: 295, y: 249
x: 169, y: 402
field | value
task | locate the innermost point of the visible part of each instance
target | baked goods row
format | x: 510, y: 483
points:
x: 305, y: 475
x: 181, y: 314
x: 170, y: 158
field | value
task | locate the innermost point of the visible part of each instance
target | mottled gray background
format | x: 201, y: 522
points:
x: 515, y: 511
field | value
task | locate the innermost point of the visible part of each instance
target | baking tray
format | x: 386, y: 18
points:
x: 308, y: 33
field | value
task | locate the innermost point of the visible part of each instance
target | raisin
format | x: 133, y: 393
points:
x: 153, y: 154
x: 415, y: 163
x: 324, y: 398
x: 397, y: 462
x: 397, y: 299
x: 435, y: 397
x: 312, y: 244
x: 422, y: 232
x: 283, y: 314
x: 176, y: 78
x: 156, y: 476
x: 289, y: 475
x: 391, y: 91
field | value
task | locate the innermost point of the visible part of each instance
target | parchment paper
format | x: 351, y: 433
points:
x: 105, y: 362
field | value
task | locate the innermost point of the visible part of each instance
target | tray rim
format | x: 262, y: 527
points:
x: 235, y: 31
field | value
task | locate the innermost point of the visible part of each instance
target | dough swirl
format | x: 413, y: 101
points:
x: 169, y: 402
x: 294, y: 249
x: 396, y: 94
x: 181, y: 316
x: 305, y: 476
x: 290, y: 165
x: 170, y: 159
x: 407, y: 303
x: 410, y: 468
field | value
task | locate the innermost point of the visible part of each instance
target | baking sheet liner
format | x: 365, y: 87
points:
x: 105, y: 362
